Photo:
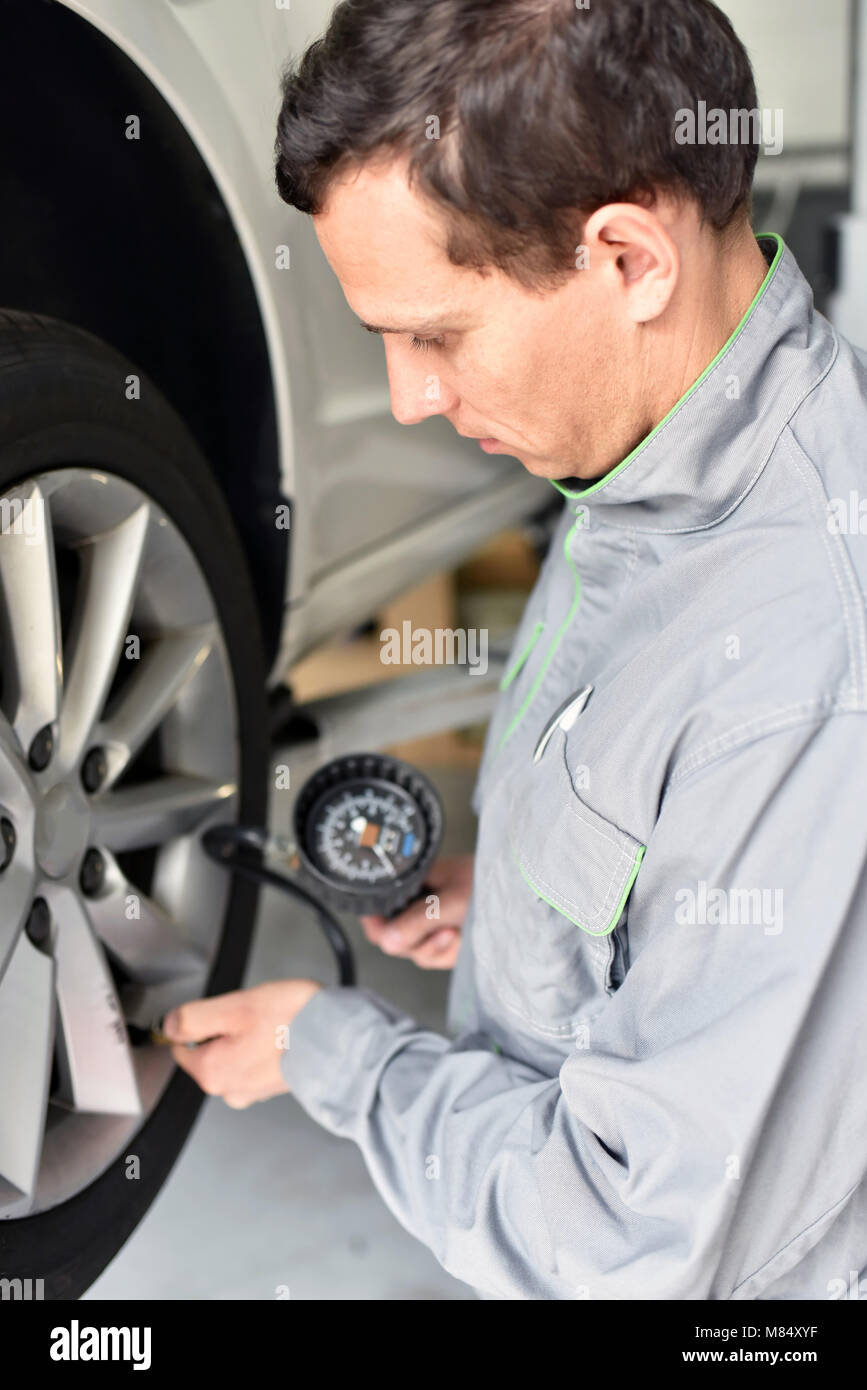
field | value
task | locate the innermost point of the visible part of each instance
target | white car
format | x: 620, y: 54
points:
x: 200, y: 481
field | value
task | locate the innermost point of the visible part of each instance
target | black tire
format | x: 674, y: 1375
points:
x: 62, y: 402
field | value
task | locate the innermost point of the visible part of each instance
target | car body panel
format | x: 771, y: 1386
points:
x: 369, y: 496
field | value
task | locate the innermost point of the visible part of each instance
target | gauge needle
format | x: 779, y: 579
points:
x: 368, y: 836
x: 377, y: 849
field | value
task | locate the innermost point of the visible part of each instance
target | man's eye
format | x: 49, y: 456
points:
x: 423, y: 344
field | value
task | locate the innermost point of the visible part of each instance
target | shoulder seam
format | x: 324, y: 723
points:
x: 841, y: 569
x: 817, y: 710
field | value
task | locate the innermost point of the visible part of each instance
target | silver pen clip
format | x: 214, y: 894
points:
x: 564, y: 718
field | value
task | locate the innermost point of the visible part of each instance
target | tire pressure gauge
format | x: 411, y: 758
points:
x: 367, y: 827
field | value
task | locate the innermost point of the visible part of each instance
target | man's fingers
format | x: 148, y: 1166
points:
x: 208, y: 1018
x: 204, y: 1064
x: 439, y: 951
x: 400, y: 937
x: 396, y: 934
x: 415, y: 929
x: 452, y: 906
x: 372, y: 925
x: 411, y: 927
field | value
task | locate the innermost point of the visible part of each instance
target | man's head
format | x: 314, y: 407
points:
x: 502, y: 179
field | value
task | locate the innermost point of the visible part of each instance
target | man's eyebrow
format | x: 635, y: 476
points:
x: 423, y: 326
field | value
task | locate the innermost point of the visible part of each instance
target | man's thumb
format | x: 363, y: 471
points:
x: 200, y: 1019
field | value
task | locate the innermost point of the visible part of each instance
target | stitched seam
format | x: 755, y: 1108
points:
x: 752, y: 729
x: 624, y: 847
x: 558, y: 898
x: 806, y: 1229
x: 573, y: 811
x: 616, y: 875
x: 814, y: 482
x: 632, y: 563
x: 827, y: 542
x: 786, y: 425
x: 712, y: 375
x: 834, y: 708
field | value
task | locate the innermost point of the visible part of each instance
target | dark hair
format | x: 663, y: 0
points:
x: 546, y: 112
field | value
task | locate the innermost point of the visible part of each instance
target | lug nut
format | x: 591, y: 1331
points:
x: 38, y: 925
x: 94, y: 770
x: 42, y: 749
x: 92, y: 874
x: 7, y: 843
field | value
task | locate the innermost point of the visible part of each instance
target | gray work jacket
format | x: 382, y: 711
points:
x: 655, y: 1083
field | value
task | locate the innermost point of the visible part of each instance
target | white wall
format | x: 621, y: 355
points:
x: 800, y: 50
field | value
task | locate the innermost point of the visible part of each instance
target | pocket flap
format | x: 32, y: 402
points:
x: 583, y: 865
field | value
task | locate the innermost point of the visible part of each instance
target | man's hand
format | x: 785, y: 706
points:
x: 430, y: 942
x: 249, y: 1031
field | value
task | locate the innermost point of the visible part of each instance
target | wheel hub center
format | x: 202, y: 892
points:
x: 62, y: 826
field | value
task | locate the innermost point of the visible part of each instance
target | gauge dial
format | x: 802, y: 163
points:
x: 365, y: 832
x: 367, y: 827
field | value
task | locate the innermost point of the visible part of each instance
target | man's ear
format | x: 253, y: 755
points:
x: 639, y: 254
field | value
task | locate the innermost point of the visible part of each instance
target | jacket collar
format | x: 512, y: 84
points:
x: 699, y: 462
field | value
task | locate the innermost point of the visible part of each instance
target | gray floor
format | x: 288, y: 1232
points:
x: 263, y: 1199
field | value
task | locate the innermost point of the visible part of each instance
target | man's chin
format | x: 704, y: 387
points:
x: 545, y: 468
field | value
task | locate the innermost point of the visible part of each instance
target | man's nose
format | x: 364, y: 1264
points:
x: 416, y: 388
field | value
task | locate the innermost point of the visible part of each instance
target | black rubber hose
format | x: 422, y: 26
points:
x: 239, y: 848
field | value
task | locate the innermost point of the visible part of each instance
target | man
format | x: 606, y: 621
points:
x: 654, y: 1086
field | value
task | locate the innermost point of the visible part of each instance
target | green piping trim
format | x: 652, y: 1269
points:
x: 617, y: 911
x: 507, y: 680
x: 555, y: 644
x: 601, y: 482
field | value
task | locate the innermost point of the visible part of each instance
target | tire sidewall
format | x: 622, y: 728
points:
x: 83, y: 422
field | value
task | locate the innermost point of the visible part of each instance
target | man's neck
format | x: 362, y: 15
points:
x: 715, y: 296
x: 724, y: 285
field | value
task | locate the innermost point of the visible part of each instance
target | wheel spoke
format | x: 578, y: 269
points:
x: 15, y: 785
x: 30, y: 612
x: 16, y: 881
x: 149, y: 814
x: 94, y: 1057
x: 139, y: 934
x: 16, y: 893
x: 152, y: 692
x: 183, y: 878
x: 110, y: 572
x: 27, y: 1011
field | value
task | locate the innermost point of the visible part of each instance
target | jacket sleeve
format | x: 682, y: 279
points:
x: 716, y: 1116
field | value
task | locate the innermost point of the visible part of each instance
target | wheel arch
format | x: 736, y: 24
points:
x: 141, y: 251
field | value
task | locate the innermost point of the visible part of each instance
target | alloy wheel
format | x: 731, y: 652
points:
x: 118, y: 749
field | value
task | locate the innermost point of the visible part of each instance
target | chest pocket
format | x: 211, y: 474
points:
x: 550, y: 931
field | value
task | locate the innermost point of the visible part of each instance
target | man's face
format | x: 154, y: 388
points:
x: 554, y: 379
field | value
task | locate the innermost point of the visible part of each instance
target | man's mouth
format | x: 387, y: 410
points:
x: 482, y: 439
